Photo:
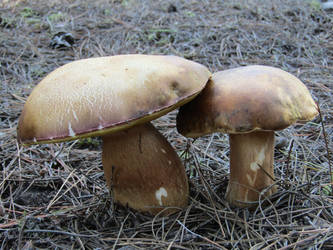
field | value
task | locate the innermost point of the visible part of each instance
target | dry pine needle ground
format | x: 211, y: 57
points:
x: 55, y: 196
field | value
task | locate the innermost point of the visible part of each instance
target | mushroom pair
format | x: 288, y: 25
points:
x: 115, y: 98
x: 249, y: 103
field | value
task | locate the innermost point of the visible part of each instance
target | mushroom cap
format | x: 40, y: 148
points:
x: 96, y: 96
x: 247, y: 99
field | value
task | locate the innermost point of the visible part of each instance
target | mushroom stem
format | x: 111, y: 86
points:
x: 251, y: 167
x: 143, y: 171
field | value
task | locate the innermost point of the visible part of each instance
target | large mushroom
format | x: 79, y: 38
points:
x: 116, y: 97
x: 249, y: 103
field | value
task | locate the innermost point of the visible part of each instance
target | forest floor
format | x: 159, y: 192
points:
x: 54, y: 196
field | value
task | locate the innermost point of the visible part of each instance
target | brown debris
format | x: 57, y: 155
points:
x: 75, y: 209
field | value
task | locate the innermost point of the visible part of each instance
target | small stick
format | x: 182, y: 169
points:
x: 327, y: 149
x: 288, y: 157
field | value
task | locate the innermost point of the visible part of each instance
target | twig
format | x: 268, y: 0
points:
x: 327, y: 149
x: 120, y: 230
x: 59, y: 191
x: 288, y: 157
x: 61, y: 232
x: 202, y: 237
x: 299, y: 243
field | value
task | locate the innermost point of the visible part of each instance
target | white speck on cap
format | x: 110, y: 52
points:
x: 70, y: 130
x: 75, y: 116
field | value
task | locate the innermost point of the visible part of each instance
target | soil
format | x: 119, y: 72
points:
x: 54, y: 196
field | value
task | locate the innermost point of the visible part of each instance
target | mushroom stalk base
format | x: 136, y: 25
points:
x: 143, y: 171
x: 251, y: 168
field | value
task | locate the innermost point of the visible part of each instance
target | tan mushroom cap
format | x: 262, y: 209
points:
x: 95, y: 96
x: 247, y: 99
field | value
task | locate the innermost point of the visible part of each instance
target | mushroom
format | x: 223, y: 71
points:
x: 249, y: 103
x: 115, y: 97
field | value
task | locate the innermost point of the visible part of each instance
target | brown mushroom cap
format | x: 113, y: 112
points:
x: 95, y: 96
x: 247, y: 99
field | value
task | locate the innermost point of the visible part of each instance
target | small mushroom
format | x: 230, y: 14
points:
x: 116, y: 97
x: 249, y: 103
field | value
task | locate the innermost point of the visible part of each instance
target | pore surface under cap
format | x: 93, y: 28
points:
x: 246, y: 99
x: 101, y: 95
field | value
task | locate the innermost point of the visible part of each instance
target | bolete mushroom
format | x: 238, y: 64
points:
x: 249, y: 103
x: 115, y: 97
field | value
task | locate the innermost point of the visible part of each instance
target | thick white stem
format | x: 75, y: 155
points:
x: 251, y: 167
